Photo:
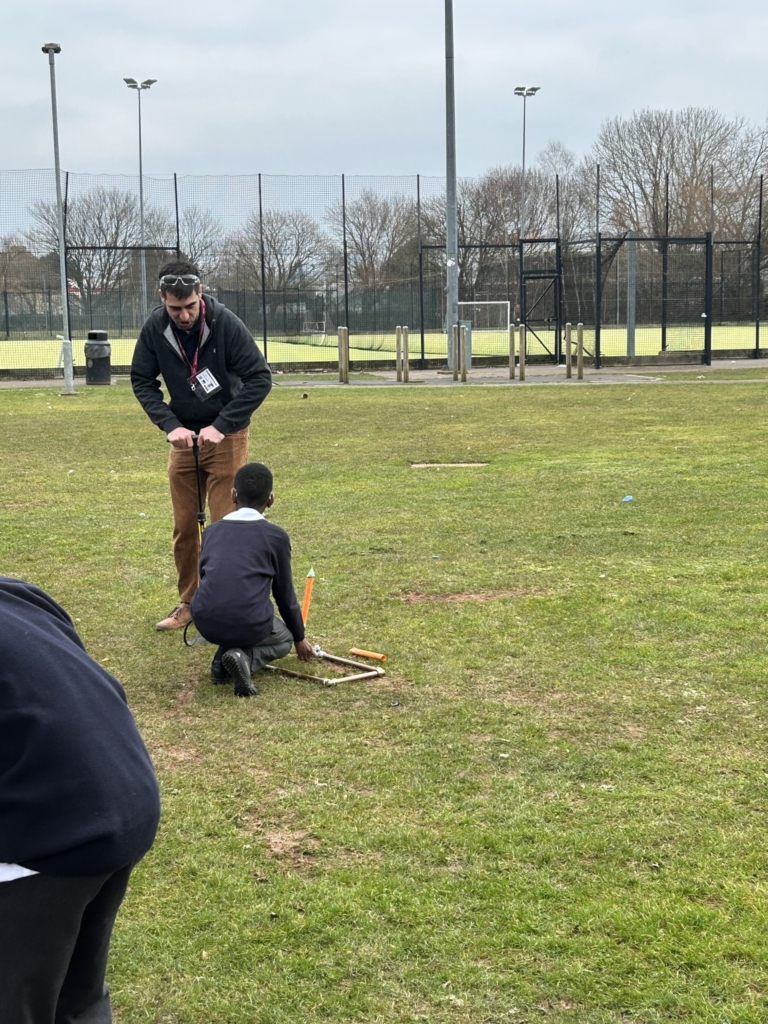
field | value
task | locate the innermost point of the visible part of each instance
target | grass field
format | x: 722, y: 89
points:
x: 40, y: 354
x: 553, y: 808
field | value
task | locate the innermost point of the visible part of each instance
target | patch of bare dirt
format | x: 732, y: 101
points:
x: 293, y: 847
x: 479, y: 595
x: 185, y: 696
x: 174, y: 758
x: 635, y: 731
x: 297, y: 847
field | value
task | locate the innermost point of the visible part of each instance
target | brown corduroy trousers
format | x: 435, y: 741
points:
x: 218, y: 465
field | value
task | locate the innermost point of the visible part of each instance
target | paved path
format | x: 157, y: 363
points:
x: 536, y: 374
x: 547, y: 374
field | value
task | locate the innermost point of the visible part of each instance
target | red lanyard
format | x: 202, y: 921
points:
x: 193, y: 364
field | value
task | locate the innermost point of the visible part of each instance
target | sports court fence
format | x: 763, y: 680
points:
x: 297, y: 257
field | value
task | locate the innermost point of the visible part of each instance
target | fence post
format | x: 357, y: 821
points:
x: 758, y: 275
x: 422, y: 363
x: 176, y: 209
x: 631, y: 292
x: 455, y: 351
x: 406, y: 356
x: 522, y: 351
x: 263, y: 273
x: 568, y: 353
x: 579, y: 351
x: 707, y: 360
x: 598, y: 298
x: 346, y: 260
x: 463, y: 353
x: 559, y: 300
x: 665, y: 267
x: 511, y: 351
x: 398, y: 354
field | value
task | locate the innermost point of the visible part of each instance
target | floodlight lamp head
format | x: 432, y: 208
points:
x: 520, y: 90
x: 51, y: 48
x: 532, y: 90
x: 147, y: 82
x: 131, y: 83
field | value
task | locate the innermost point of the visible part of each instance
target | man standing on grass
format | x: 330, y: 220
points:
x: 216, y: 378
x: 79, y: 806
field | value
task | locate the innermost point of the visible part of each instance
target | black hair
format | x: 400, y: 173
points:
x: 180, y: 268
x: 253, y: 483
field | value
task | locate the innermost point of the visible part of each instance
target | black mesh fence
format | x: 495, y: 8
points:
x: 297, y: 257
x: 657, y: 295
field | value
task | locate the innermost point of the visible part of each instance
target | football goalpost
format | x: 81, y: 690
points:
x: 486, y: 316
x: 488, y: 327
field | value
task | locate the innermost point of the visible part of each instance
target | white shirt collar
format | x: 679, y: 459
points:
x: 245, y: 515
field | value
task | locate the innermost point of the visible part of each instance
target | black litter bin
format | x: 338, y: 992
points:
x: 98, y: 358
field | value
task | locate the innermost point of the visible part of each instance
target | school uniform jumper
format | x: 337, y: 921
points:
x: 244, y: 560
x: 79, y: 806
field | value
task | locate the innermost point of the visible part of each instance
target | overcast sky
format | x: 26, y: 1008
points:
x: 324, y: 86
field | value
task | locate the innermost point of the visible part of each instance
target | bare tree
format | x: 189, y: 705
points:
x: 489, y: 214
x: 102, y: 221
x: 379, y: 230
x: 26, y: 279
x: 557, y: 159
x: 201, y: 237
x: 639, y: 153
x: 293, y: 250
x: 572, y: 187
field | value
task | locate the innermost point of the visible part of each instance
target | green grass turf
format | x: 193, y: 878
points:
x: 553, y: 808
x: 44, y: 353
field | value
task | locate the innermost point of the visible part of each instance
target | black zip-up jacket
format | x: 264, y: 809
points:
x: 78, y: 794
x: 241, y: 563
x: 227, y: 350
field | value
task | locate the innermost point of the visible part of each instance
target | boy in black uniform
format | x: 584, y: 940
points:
x: 79, y: 806
x: 245, y: 558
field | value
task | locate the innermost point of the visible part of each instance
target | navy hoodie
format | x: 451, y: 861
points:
x: 78, y: 794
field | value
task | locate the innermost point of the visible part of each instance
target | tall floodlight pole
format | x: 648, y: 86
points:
x: 66, y: 345
x: 524, y: 91
x: 451, y: 216
x: 133, y: 84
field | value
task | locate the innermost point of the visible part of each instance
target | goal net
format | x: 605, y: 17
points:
x: 313, y: 327
x: 485, y: 316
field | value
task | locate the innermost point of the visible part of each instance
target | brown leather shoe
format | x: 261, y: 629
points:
x: 177, y: 619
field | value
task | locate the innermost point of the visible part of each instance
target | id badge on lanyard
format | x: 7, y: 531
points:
x: 204, y: 383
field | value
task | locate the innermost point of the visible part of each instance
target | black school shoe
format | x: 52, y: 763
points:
x: 238, y: 665
x: 219, y: 674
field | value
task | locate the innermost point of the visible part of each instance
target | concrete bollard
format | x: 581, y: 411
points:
x: 568, y: 353
x: 522, y: 351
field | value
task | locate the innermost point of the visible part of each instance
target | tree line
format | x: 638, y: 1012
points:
x: 686, y: 172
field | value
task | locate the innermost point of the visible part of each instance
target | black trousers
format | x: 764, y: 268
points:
x: 271, y: 648
x: 54, y: 943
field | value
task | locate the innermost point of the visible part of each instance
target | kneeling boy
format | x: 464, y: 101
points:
x: 244, y: 558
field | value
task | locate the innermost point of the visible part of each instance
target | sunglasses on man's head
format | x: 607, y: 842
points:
x: 174, y: 280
